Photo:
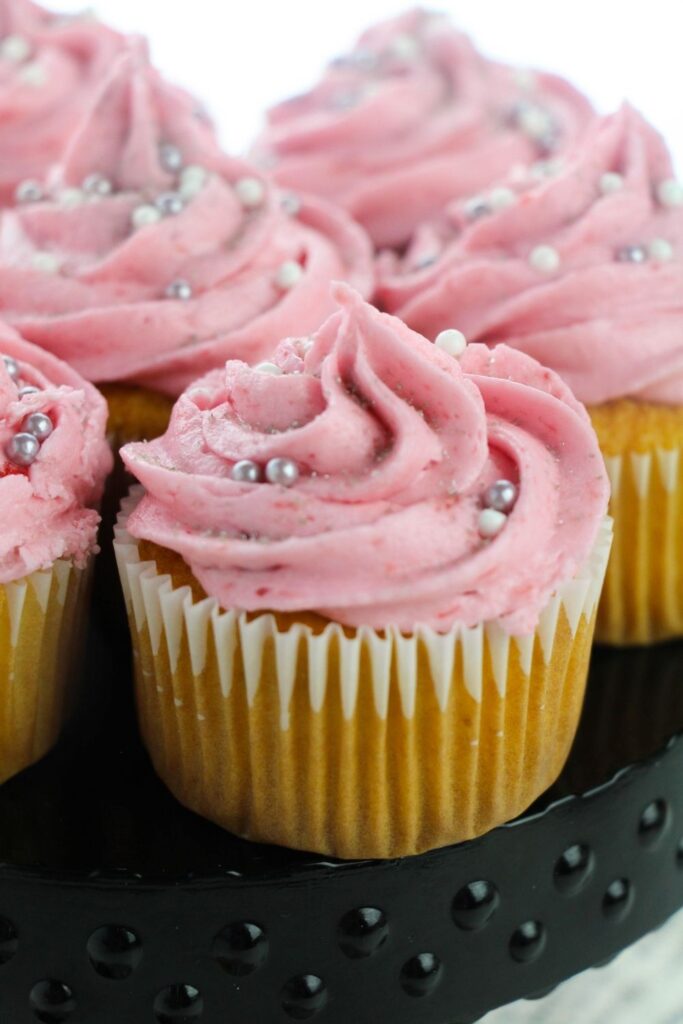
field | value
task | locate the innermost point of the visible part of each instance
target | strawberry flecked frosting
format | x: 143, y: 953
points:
x: 413, y: 117
x: 155, y: 258
x: 49, y: 67
x: 377, y: 517
x: 48, y: 508
x: 582, y: 269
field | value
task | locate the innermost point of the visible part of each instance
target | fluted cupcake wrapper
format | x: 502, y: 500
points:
x: 642, y: 600
x: 354, y: 743
x: 41, y: 619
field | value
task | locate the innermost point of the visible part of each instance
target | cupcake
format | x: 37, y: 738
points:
x: 53, y: 462
x: 49, y: 67
x: 583, y: 270
x: 153, y: 258
x: 412, y: 117
x: 362, y: 587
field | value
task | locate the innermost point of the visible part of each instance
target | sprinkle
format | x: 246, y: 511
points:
x: 246, y: 472
x: 501, y: 496
x: 631, y: 254
x: 611, y: 182
x: 270, y: 368
x: 29, y: 191
x: 545, y: 259
x: 477, y: 207
x: 405, y: 47
x: 661, y: 250
x: 250, y: 192
x: 289, y: 273
x: 192, y: 180
x: 33, y: 74
x: 97, y: 185
x: 38, y: 424
x: 12, y: 367
x: 70, y: 197
x: 451, y: 341
x: 290, y: 203
x: 491, y: 522
x: 535, y: 122
x: 143, y: 216
x: 22, y: 449
x: 169, y: 204
x: 546, y: 168
x: 179, y: 289
x: 282, y: 471
x: 426, y: 261
x: 670, y: 192
x: 27, y: 390
x: 47, y: 262
x: 501, y: 197
x: 15, y: 49
x: 170, y: 157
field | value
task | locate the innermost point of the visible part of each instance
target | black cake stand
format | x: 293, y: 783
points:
x: 118, y: 906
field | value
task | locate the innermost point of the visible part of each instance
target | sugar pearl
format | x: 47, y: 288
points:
x: 501, y: 197
x: 12, y: 367
x: 405, y: 47
x: 179, y: 289
x: 270, y: 368
x: 290, y: 203
x: 33, y: 74
x: 15, y: 49
x: 245, y: 471
x: 170, y: 157
x: 491, y: 522
x: 192, y: 180
x: 282, y: 471
x: 22, y: 449
x: 289, y: 274
x: 27, y: 390
x: 97, y: 185
x: 170, y: 204
x: 29, y: 191
x: 670, y: 192
x: 46, y: 262
x: 535, y: 122
x: 477, y: 207
x: 451, y: 341
x: 250, y: 192
x: 611, y: 182
x: 545, y: 259
x: 501, y: 496
x: 661, y: 250
x: 143, y: 216
x: 38, y: 424
x: 632, y: 254
x: 71, y: 197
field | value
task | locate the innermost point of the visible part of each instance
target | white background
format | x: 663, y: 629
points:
x: 242, y: 56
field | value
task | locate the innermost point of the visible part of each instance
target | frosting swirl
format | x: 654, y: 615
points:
x: 411, y: 118
x: 182, y: 259
x: 47, y: 508
x: 583, y: 269
x: 395, y: 442
x: 49, y: 66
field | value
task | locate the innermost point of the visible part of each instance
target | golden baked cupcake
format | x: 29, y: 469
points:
x: 152, y: 258
x: 53, y: 462
x: 362, y: 585
x: 580, y: 265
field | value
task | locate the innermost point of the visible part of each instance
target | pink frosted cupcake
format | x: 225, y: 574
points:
x: 582, y: 268
x: 412, y: 117
x: 49, y: 67
x: 153, y: 257
x: 53, y: 462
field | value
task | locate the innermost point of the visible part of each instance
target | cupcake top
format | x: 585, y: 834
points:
x: 373, y: 477
x: 580, y: 267
x: 49, y: 66
x: 154, y: 258
x: 53, y: 459
x: 412, y: 117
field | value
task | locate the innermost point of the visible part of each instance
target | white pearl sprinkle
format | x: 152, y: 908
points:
x: 535, y: 122
x: 451, y: 341
x: 290, y: 203
x: 250, y: 192
x: 546, y: 168
x: 179, y: 289
x: 29, y: 191
x: 71, y: 197
x: 501, y: 197
x: 46, y: 262
x: 193, y: 178
x: 143, y: 216
x: 611, y: 182
x: 491, y: 522
x: 405, y: 47
x: 15, y: 49
x: 670, y: 192
x: 169, y: 204
x: 97, y: 185
x: 33, y: 74
x: 282, y: 471
x: 170, y: 157
x: 545, y: 259
x: 289, y: 274
x: 661, y: 250
x: 271, y: 368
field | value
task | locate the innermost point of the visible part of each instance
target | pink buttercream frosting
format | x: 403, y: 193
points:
x: 607, y: 311
x: 248, y: 261
x: 49, y: 66
x: 396, y: 442
x: 47, y: 510
x: 414, y: 116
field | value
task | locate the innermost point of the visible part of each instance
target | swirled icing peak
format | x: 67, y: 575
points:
x: 49, y: 67
x: 53, y: 459
x: 580, y: 267
x: 154, y: 258
x: 412, y: 117
x: 355, y: 477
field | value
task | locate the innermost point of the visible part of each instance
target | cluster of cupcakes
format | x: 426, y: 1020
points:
x: 364, y: 565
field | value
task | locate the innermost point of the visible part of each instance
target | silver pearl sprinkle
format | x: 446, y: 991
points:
x: 12, y: 367
x: 501, y: 496
x: 290, y: 203
x: 284, y: 472
x: 28, y: 389
x: 246, y: 472
x: 97, y: 185
x: 169, y: 203
x: 632, y: 254
x: 38, y: 424
x: 425, y: 261
x: 170, y: 157
x: 29, y: 192
x: 477, y: 208
x: 22, y: 449
x: 179, y: 289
